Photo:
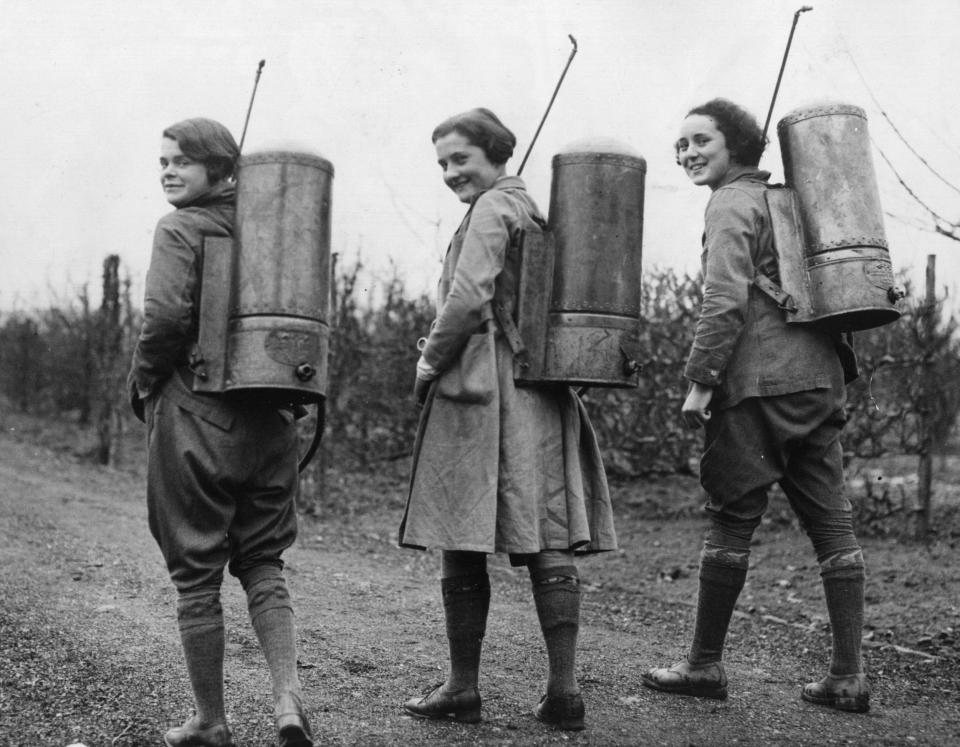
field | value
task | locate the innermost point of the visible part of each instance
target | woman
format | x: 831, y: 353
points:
x: 771, y: 397
x: 221, y: 476
x: 497, y: 468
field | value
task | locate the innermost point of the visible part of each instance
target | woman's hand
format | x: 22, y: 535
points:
x: 425, y: 374
x: 696, y: 406
x: 420, y: 389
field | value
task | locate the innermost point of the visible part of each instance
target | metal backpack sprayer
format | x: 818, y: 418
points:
x: 827, y: 222
x: 265, y: 294
x: 577, y: 305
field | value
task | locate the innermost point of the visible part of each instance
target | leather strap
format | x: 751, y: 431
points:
x: 783, y: 299
x: 510, y: 331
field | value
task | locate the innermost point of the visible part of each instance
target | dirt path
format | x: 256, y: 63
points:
x: 90, y: 651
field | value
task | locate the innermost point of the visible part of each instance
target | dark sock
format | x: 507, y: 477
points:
x: 200, y: 619
x: 271, y: 614
x: 720, y: 586
x: 843, y: 589
x: 466, y: 602
x: 556, y: 593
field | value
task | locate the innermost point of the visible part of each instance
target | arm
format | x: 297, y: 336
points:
x: 729, y: 246
x: 481, y: 261
x: 168, y: 307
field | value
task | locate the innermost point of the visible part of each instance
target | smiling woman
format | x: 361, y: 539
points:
x: 702, y: 151
x: 466, y: 169
x: 496, y: 467
x: 714, y: 138
x: 221, y: 474
x: 183, y: 180
x: 195, y: 155
x: 770, y: 396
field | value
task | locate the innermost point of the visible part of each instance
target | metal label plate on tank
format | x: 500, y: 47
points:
x: 292, y: 348
x: 879, y: 273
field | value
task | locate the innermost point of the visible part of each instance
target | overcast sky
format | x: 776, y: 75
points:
x: 87, y: 87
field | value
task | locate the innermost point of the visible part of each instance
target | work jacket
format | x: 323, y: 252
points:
x: 171, y: 303
x: 496, y: 467
x: 743, y: 346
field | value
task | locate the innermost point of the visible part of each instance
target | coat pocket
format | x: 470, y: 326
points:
x: 472, y: 379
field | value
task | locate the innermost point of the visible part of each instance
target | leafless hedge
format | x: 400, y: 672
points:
x: 70, y: 361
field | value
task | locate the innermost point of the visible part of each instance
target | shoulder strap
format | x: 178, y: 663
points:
x: 510, y: 331
x: 503, y: 315
x: 765, y: 284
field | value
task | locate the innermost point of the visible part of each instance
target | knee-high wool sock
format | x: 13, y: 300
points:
x: 843, y: 589
x: 271, y: 613
x: 466, y: 603
x: 200, y: 619
x: 556, y: 594
x: 720, y: 586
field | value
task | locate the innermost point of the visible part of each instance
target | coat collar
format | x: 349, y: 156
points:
x: 224, y: 191
x: 509, y: 182
x: 737, y: 172
x: 504, y: 182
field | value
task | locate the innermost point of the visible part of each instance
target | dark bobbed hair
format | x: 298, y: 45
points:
x: 207, y: 142
x: 484, y: 130
x: 743, y: 136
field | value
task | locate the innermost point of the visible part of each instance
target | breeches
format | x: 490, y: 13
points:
x: 220, y: 496
x: 792, y: 440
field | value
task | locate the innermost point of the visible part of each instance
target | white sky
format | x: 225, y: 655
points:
x: 87, y: 87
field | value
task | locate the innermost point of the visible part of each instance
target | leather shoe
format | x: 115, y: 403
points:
x: 459, y: 705
x: 191, y: 734
x: 564, y: 711
x: 701, y: 680
x: 293, y: 729
x: 849, y: 692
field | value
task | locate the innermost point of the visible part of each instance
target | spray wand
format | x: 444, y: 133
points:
x: 783, y: 64
x: 246, y: 121
x: 555, y: 91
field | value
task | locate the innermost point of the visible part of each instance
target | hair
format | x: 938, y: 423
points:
x: 208, y: 142
x: 484, y: 130
x: 744, y: 138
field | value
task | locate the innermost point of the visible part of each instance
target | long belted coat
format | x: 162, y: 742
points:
x: 496, y: 467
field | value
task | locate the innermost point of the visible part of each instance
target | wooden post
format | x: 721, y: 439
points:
x: 108, y: 353
x: 322, y: 458
x: 921, y: 522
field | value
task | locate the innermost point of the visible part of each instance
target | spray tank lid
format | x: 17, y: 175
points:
x: 599, y: 145
x: 286, y: 151
x: 820, y: 108
x: 599, y: 149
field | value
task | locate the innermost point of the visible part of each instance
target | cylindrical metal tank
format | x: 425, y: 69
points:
x: 828, y: 164
x: 278, y: 330
x: 596, y: 217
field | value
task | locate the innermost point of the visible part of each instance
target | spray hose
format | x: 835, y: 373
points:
x: 317, y: 435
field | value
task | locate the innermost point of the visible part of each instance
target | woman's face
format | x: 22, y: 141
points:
x: 466, y: 169
x: 702, y: 151
x: 183, y: 179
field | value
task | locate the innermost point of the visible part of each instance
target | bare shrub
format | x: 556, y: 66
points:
x: 61, y: 362
x: 892, y: 402
x: 640, y: 430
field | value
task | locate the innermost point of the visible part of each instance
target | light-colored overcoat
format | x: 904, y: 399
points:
x: 496, y: 467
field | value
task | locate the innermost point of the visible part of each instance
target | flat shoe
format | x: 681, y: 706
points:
x: 461, y: 705
x: 700, y: 680
x: 564, y: 711
x: 848, y: 692
x: 293, y: 729
x: 190, y: 734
